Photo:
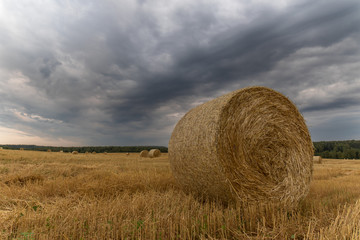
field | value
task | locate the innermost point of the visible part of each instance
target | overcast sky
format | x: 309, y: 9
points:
x: 124, y: 72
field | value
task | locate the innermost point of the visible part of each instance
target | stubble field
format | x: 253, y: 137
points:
x: 48, y: 195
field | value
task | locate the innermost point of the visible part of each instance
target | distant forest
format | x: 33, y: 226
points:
x: 338, y: 149
x: 349, y: 149
x: 98, y: 149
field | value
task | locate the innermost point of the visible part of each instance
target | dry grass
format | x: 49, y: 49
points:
x: 118, y: 196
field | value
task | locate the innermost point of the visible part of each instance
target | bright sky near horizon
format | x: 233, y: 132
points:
x: 124, y: 72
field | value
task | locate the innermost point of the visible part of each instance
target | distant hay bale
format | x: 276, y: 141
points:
x: 1, y: 148
x: 250, y: 145
x: 144, y: 153
x: 105, y: 153
x: 86, y: 152
x: 61, y: 151
x: 93, y: 152
x: 49, y: 150
x: 317, y: 159
x: 127, y: 154
x: 75, y: 152
x: 154, y: 153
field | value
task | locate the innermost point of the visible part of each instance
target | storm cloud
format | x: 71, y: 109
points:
x: 123, y: 73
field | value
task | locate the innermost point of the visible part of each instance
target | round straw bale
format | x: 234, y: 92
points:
x: 1, y: 148
x: 250, y: 145
x: 75, y: 152
x: 317, y: 159
x: 154, y: 153
x: 144, y: 153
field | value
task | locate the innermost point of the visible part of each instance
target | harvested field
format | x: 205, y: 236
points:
x: 119, y: 196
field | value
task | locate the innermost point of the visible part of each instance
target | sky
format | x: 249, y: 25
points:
x: 81, y: 73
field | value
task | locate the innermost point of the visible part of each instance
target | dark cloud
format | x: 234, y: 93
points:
x: 343, y: 127
x: 49, y: 66
x: 240, y: 54
x: 116, y: 74
x: 342, y: 102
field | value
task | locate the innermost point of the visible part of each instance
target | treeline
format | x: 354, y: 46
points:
x: 349, y: 149
x: 338, y: 149
x: 98, y: 149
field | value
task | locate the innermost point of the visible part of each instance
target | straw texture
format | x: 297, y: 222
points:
x: 153, y: 153
x: 249, y: 145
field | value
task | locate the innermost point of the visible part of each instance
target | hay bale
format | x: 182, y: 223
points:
x: 154, y: 153
x: 93, y: 152
x: 61, y: 151
x: 317, y: 159
x: 127, y: 154
x: 1, y: 148
x: 144, y: 153
x: 251, y: 145
x: 49, y: 150
x: 75, y: 152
